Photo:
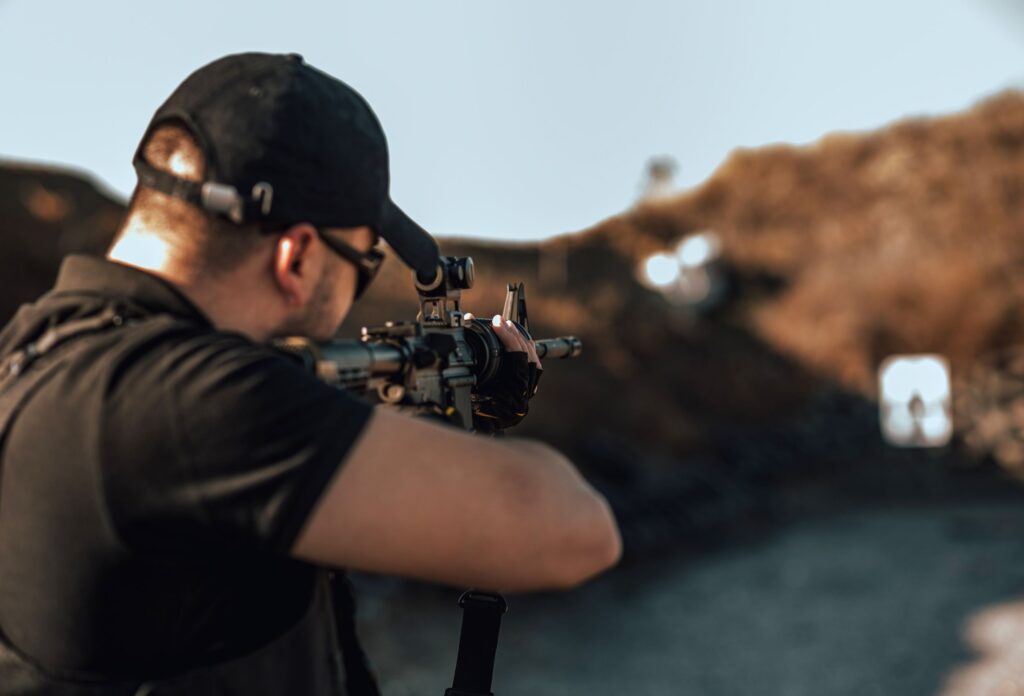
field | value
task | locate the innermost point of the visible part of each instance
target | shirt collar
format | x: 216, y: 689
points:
x: 92, y: 275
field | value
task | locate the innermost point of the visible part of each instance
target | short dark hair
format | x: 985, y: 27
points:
x: 213, y: 243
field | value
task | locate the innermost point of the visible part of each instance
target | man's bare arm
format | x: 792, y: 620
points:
x: 421, y: 500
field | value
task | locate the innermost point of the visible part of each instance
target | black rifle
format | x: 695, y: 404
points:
x: 435, y: 365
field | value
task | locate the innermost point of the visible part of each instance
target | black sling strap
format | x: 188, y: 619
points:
x: 478, y: 644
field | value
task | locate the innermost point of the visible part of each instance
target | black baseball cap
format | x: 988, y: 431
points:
x: 286, y: 143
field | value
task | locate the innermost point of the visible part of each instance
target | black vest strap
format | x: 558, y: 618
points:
x: 359, y: 678
x: 19, y: 361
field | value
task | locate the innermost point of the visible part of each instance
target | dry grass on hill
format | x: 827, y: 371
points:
x: 903, y: 240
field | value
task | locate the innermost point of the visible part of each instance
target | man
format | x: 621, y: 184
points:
x: 172, y: 487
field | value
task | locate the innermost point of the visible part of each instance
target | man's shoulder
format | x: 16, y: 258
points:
x: 180, y: 345
x: 211, y: 427
x: 152, y: 368
x: 195, y: 366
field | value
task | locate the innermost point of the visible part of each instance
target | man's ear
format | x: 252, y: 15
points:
x: 294, y: 263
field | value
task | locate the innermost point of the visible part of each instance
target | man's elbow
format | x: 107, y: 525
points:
x: 596, y: 546
x: 574, y: 530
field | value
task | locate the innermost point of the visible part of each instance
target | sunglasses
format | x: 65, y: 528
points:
x: 367, y: 263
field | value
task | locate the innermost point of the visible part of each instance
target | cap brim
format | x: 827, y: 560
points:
x: 411, y: 242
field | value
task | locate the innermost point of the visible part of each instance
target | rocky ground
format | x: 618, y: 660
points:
x: 896, y: 600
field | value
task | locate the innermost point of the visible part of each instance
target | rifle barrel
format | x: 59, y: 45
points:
x: 374, y: 358
x: 561, y: 347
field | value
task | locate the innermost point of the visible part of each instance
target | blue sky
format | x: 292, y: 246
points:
x: 515, y: 120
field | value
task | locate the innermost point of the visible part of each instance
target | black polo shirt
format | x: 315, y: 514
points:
x: 151, y: 490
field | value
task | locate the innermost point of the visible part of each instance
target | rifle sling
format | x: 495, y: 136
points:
x: 478, y: 644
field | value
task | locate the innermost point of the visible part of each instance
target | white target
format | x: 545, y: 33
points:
x: 916, y: 401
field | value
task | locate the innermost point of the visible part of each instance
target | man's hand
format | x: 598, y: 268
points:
x: 511, y: 337
x: 504, y: 400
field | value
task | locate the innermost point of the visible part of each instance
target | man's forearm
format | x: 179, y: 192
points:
x: 510, y: 515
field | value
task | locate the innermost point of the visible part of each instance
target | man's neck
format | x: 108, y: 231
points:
x: 228, y: 302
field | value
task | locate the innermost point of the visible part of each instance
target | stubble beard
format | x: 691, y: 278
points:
x: 319, y: 320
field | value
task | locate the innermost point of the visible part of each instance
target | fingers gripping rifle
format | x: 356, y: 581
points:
x: 434, y: 364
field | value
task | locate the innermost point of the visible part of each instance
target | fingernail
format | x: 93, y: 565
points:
x: 508, y: 323
x: 496, y: 321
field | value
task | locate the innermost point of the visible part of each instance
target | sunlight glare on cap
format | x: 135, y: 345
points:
x: 661, y: 270
x: 181, y: 164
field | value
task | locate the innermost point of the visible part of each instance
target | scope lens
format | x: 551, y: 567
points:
x: 469, y: 271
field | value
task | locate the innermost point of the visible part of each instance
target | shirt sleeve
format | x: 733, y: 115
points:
x: 235, y: 443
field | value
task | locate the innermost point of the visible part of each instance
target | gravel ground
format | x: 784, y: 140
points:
x: 897, y: 600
